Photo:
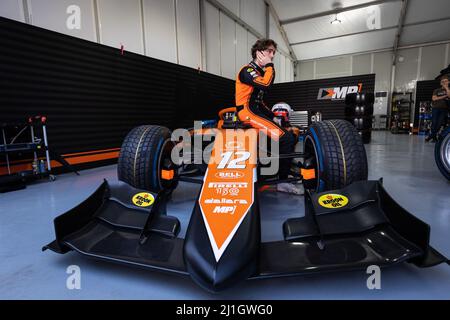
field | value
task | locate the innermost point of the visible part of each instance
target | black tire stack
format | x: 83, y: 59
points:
x: 359, y: 112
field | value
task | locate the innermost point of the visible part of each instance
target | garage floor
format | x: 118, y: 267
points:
x: 410, y: 176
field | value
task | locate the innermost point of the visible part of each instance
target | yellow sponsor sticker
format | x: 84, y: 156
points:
x: 249, y: 69
x: 143, y: 199
x: 333, y: 201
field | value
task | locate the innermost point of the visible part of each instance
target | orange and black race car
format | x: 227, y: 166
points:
x: 348, y: 223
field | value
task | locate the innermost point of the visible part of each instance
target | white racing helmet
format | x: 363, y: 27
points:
x: 282, y: 110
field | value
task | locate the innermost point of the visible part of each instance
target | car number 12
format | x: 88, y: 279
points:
x: 238, y: 163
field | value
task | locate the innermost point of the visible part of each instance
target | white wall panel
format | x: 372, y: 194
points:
x: 227, y: 46
x: 12, y: 9
x: 232, y: 5
x: 212, y: 39
x: 160, y: 32
x: 289, y: 74
x: 277, y: 66
x: 432, y: 62
x: 253, y: 12
x: 120, y: 23
x: 305, y: 70
x: 242, y: 54
x: 333, y: 67
x: 382, y: 67
x: 447, y: 61
x: 361, y: 64
x: 406, y: 71
x: 188, y: 27
x: 251, y: 39
x: 275, y: 34
x: 52, y: 15
x: 282, y: 69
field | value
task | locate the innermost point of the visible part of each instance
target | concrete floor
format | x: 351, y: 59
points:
x: 26, y: 224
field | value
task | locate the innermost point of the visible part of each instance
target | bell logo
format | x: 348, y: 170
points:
x: 338, y: 93
x: 229, y: 175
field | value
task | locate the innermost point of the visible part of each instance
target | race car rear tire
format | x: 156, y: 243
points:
x: 339, y: 155
x: 442, y: 153
x: 145, y: 152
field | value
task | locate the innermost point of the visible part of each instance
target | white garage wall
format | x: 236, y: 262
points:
x: 382, y: 62
x: 289, y: 70
x: 287, y: 74
x: 282, y: 69
x: 419, y: 63
x: 232, y: 5
x: 253, y: 12
x: 274, y: 34
x: 169, y: 30
x: 406, y: 71
x: 333, y: 67
x: 242, y: 52
x: 56, y: 19
x: 305, y: 70
x: 277, y: 65
x: 160, y: 29
x: 188, y: 33
x: 227, y: 46
x: 361, y: 64
x: 431, y: 61
x: 212, y: 36
x: 120, y: 23
x: 12, y: 9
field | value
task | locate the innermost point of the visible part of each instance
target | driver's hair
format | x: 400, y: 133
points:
x: 261, y: 45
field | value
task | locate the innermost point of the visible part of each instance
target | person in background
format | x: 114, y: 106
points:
x: 440, y: 107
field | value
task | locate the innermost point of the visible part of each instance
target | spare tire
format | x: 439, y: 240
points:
x: 145, y: 152
x: 442, y: 153
x: 338, y: 154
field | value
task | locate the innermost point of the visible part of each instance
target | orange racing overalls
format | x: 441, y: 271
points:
x: 252, y: 83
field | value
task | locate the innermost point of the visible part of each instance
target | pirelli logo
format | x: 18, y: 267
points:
x: 337, y: 93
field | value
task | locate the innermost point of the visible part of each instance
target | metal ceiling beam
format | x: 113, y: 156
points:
x: 334, y: 11
x: 401, y: 21
x: 281, y: 30
x: 374, y: 30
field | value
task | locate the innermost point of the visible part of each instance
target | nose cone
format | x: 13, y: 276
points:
x: 217, y: 276
x: 238, y: 262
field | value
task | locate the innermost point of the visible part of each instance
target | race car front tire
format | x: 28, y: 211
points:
x: 145, y: 152
x: 339, y: 155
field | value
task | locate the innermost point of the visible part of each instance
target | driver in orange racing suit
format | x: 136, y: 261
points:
x: 252, y: 82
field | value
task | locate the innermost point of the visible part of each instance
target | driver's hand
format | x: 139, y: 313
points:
x: 263, y: 58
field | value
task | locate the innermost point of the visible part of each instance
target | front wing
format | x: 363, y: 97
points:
x: 372, y: 229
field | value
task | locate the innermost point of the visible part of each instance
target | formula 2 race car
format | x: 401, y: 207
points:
x: 348, y: 223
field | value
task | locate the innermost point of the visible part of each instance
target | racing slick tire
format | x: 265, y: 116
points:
x: 442, y: 153
x: 338, y: 152
x: 144, y: 154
